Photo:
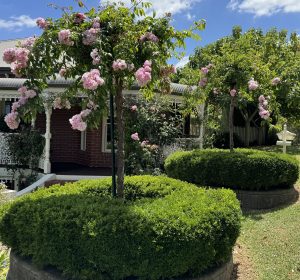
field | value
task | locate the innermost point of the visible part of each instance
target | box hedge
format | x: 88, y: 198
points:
x: 244, y: 169
x: 165, y: 228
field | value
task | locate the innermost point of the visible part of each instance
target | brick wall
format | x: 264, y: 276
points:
x: 65, y: 142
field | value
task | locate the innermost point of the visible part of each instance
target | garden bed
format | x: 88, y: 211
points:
x: 164, y: 229
x: 264, y: 200
x: 21, y: 268
x: 261, y: 180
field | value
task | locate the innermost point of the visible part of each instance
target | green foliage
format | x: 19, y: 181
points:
x: 25, y: 149
x: 221, y: 140
x: 243, y: 169
x: 238, y: 58
x: 4, y: 263
x: 163, y: 229
x: 119, y: 38
x: 3, y: 126
x: 157, y: 123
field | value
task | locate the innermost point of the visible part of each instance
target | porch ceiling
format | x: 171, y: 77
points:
x: 9, y: 87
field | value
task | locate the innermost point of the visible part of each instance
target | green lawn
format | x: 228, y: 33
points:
x: 271, y: 241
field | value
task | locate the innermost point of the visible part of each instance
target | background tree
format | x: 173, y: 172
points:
x: 253, y: 72
x: 103, y: 51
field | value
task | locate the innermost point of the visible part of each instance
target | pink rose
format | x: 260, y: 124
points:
x: 233, y: 92
x: 64, y: 37
x: 134, y: 108
x: 135, y: 137
x: 41, y: 23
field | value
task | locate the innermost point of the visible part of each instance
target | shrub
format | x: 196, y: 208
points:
x: 164, y: 228
x: 158, y: 123
x: 243, y: 169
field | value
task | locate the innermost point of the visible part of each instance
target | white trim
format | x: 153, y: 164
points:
x: 83, y: 140
x: 39, y: 183
x: 77, y: 177
x: 104, y: 136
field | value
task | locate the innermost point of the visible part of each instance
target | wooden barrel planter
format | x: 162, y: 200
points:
x: 21, y: 269
x: 264, y: 200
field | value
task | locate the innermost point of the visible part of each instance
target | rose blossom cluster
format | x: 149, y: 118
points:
x: 144, y: 144
x: 91, y: 105
x: 166, y: 71
x: 233, y: 92
x: 253, y: 85
x: 12, y: 119
x: 149, y: 36
x: 90, y: 36
x: 62, y: 72
x: 204, y: 70
x: 64, y: 37
x: 147, y: 145
x: 17, y: 58
x: 119, y: 65
x: 203, y: 82
x: 42, y: 23
x: 96, y: 23
x: 135, y: 137
x: 95, y: 56
x: 78, y: 121
x: 143, y: 74
x: 92, y: 80
x: 58, y: 103
x: 79, y: 18
x: 263, y: 107
x: 276, y: 81
x: 133, y: 108
x: 28, y: 43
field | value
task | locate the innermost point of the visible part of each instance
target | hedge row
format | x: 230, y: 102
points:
x: 164, y: 229
x: 244, y: 169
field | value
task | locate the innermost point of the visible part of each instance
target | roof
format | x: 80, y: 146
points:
x: 14, y: 84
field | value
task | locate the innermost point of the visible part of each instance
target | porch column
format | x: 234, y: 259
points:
x: 47, y: 163
x: 201, y: 134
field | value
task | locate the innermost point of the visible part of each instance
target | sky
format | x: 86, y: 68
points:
x: 17, y: 17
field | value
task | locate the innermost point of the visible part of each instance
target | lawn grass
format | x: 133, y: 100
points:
x: 272, y: 239
x: 273, y: 242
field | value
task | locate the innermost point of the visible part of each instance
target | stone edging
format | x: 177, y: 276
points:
x: 263, y: 200
x: 21, y: 269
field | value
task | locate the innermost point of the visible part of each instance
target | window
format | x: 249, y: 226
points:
x: 106, y: 139
x: 7, y: 107
x: 83, y: 141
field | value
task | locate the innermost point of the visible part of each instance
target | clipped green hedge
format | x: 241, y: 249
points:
x: 164, y: 229
x: 244, y: 169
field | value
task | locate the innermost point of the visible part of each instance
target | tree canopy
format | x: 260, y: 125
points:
x: 255, y: 64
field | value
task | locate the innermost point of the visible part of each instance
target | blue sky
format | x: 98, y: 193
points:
x: 17, y: 18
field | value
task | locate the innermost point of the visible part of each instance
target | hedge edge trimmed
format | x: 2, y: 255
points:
x: 244, y: 169
x: 166, y: 228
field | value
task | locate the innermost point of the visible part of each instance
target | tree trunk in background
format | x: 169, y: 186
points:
x: 119, y: 99
x: 231, y: 112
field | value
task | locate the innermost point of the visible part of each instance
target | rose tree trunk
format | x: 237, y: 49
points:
x: 119, y: 99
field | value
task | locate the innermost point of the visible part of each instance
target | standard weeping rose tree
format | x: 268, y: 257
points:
x: 103, y: 51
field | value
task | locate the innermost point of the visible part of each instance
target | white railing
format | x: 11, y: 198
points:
x: 42, y: 158
x: 5, y: 158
